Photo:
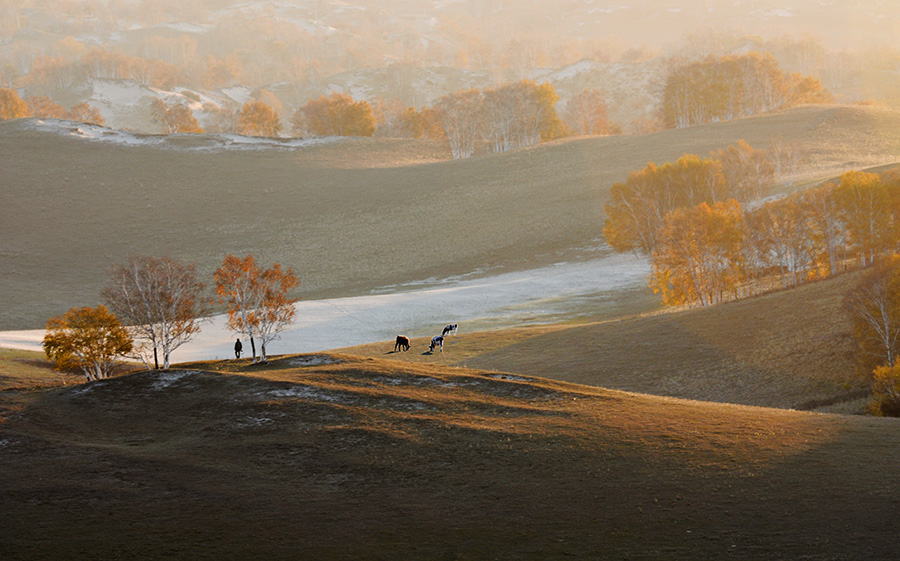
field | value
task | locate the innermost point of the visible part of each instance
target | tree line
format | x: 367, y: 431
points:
x: 706, y: 247
x: 161, y: 303
x: 711, y: 236
x: 733, y: 86
x: 14, y: 107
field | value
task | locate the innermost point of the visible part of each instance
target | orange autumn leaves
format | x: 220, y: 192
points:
x: 710, y: 236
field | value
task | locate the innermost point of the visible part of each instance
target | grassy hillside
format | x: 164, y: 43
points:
x: 789, y: 349
x: 348, y: 216
x: 345, y: 457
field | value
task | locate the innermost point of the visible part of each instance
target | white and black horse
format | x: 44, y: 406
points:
x: 436, y: 341
x: 449, y: 329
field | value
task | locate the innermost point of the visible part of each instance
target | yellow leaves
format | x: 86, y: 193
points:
x: 257, y: 299
x: 12, y: 106
x: 175, y: 117
x: 334, y: 115
x: 258, y: 119
x: 88, y: 339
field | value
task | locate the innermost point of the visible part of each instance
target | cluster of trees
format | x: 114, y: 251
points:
x: 514, y: 115
x: 729, y: 87
x: 639, y: 206
x: 14, y: 107
x: 511, y: 116
x: 162, y: 302
x: 719, y: 250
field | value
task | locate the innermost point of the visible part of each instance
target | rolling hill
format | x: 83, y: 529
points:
x: 350, y: 216
x: 788, y: 349
x: 336, y: 456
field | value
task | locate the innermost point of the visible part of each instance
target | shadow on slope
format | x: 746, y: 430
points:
x: 363, y: 458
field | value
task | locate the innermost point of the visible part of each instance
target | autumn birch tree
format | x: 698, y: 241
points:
x: 89, y: 339
x: 874, y: 306
x: 257, y: 300
x: 587, y: 114
x: 698, y: 259
x: 459, y: 115
x: 161, y: 300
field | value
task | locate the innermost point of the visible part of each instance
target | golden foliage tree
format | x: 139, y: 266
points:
x: 458, y: 114
x: 89, y: 339
x: 175, y: 117
x: 257, y: 299
x: 733, y: 86
x: 11, y: 105
x: 44, y: 107
x: 86, y: 114
x: 747, y: 171
x: 638, y: 207
x: 886, y: 390
x: 334, y: 115
x: 698, y: 261
x: 258, y: 119
x: 586, y: 113
x: 874, y: 306
x: 864, y: 204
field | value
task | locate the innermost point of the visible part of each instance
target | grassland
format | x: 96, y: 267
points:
x: 363, y: 458
x: 348, y: 216
x: 788, y: 349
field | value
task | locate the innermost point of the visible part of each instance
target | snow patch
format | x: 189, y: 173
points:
x: 314, y: 360
x: 198, y: 143
x: 306, y: 392
x: 508, y: 377
x: 166, y: 379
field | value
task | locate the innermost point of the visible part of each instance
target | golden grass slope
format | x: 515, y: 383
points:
x: 336, y: 456
x: 787, y: 349
x: 348, y: 216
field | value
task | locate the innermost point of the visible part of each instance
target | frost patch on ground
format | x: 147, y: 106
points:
x: 89, y: 387
x: 166, y: 379
x: 252, y: 421
x: 307, y: 392
x: 508, y: 377
x: 181, y: 142
x: 315, y: 360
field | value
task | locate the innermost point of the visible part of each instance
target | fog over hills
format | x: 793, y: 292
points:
x: 215, y: 53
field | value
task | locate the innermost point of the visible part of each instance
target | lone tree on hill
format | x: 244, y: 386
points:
x: 175, y: 117
x: 161, y: 299
x: 874, y: 306
x: 258, y: 303
x: 334, y: 115
x: 12, y: 106
x: 258, y: 119
x: 86, y: 338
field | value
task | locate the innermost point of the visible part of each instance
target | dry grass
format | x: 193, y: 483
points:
x: 364, y: 458
x: 789, y: 349
x: 350, y: 216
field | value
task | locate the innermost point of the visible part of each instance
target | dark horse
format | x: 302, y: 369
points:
x: 402, y: 343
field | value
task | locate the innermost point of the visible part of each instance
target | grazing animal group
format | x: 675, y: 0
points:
x: 402, y: 341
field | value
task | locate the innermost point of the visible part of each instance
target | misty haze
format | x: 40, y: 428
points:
x: 449, y: 279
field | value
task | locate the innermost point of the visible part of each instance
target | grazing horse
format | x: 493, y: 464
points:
x: 437, y: 341
x: 402, y: 343
x: 448, y: 329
